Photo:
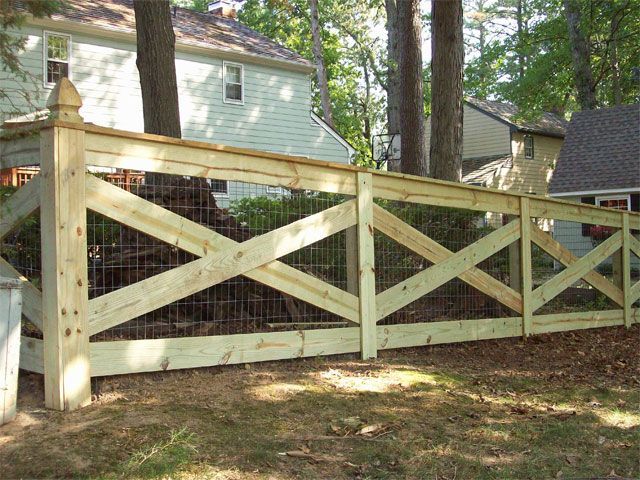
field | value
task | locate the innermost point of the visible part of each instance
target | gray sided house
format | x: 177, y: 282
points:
x: 236, y: 87
x: 599, y: 164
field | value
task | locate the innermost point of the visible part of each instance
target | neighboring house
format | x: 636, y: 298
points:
x: 236, y: 87
x: 599, y: 164
x: 502, y: 150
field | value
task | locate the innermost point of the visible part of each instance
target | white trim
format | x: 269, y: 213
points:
x: 615, y: 197
x: 350, y: 150
x: 130, y: 37
x: 596, y: 192
x: 45, y: 55
x: 224, y: 82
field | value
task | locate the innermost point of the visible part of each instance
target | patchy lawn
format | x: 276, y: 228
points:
x: 559, y: 406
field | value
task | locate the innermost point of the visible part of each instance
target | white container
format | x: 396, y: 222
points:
x: 10, y: 316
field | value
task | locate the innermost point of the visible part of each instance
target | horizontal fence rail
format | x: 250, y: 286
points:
x: 403, y: 253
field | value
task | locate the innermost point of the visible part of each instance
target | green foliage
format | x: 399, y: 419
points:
x: 164, y: 457
x: 11, y: 45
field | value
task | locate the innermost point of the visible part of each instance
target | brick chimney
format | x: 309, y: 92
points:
x: 223, y: 8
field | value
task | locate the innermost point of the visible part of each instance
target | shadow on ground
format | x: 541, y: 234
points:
x: 559, y: 406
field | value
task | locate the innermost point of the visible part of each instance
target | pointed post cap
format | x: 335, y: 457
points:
x: 64, y: 102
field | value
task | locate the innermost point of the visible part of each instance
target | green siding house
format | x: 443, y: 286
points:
x: 236, y: 86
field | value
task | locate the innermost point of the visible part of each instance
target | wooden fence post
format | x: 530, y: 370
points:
x: 64, y: 255
x: 626, y: 268
x: 366, y: 265
x: 525, y: 269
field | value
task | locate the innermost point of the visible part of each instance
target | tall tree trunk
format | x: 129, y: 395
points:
x: 580, y: 56
x: 393, y: 62
x: 613, y: 59
x: 520, y: 33
x: 413, y: 158
x: 318, y: 55
x: 447, y: 53
x: 156, y: 65
x: 366, y: 103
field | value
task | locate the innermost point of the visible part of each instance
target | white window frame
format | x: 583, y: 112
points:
x: 533, y: 149
x: 220, y: 194
x: 224, y: 83
x: 45, y: 54
x: 271, y: 190
x: 615, y: 197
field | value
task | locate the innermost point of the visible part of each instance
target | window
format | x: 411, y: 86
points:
x: 528, y: 146
x: 274, y: 190
x: 619, y: 203
x: 220, y: 188
x: 57, y: 56
x: 233, y: 83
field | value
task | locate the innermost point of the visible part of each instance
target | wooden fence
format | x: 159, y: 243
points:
x: 63, y: 192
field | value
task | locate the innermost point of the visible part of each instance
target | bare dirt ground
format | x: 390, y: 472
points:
x: 560, y: 406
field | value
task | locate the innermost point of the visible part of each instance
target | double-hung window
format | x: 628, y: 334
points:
x: 233, y: 83
x: 57, y: 57
x: 528, y: 146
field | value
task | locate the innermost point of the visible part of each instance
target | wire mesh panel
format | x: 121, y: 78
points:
x: 570, y: 242
x: 442, y: 232
x: 120, y: 256
x: 20, y: 248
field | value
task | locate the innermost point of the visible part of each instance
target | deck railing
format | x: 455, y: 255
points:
x: 62, y: 301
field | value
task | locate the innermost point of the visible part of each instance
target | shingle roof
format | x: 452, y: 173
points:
x: 190, y: 27
x: 600, y: 152
x: 483, y: 169
x: 546, y: 124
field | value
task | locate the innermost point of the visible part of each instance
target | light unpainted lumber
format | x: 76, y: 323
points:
x: 31, y: 296
x: 562, y: 322
x: 419, y: 243
x: 634, y: 244
x: 20, y: 152
x: 625, y: 258
x: 366, y: 267
x: 133, y: 356
x: 574, y: 212
x: 525, y: 262
x: 566, y: 258
x: 634, y: 293
x: 149, y: 218
x: 433, y: 333
x: 164, y: 288
x: 444, y: 194
x: 64, y: 270
x: 552, y: 288
x: 214, y: 161
x: 19, y: 206
x: 351, y: 254
x: 31, y: 354
x: 428, y: 280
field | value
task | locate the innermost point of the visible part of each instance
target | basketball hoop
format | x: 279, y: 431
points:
x: 385, y: 148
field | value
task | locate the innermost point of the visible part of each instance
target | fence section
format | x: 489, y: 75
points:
x: 215, y: 255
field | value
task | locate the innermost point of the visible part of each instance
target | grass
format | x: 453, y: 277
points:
x: 491, y: 410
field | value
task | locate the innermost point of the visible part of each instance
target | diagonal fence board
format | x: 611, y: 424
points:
x: 634, y: 245
x: 19, y: 206
x: 552, y: 288
x: 419, y: 243
x: 31, y: 296
x: 426, y: 281
x: 567, y: 258
x: 152, y: 293
x: 149, y: 218
x: 634, y: 293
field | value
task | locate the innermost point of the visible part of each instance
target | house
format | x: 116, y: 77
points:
x: 236, y: 87
x: 599, y: 164
x: 502, y: 150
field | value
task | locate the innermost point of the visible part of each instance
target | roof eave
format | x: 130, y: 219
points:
x: 128, y: 36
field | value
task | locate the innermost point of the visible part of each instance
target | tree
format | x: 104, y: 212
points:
x: 580, y: 56
x: 412, y: 141
x: 13, y: 18
x: 321, y: 72
x: 393, y: 62
x: 156, y: 45
x: 447, y: 64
